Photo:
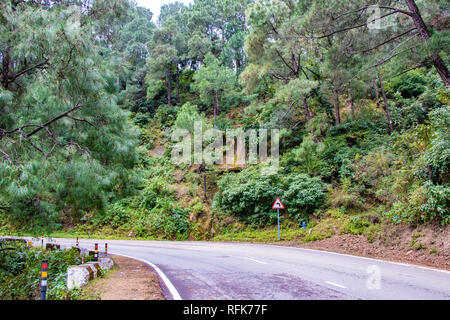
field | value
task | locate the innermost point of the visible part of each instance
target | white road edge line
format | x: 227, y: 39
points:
x: 168, y: 283
x: 360, y: 257
x: 254, y: 260
x: 336, y: 284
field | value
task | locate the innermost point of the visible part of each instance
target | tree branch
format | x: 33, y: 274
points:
x: 389, y: 40
x: 352, y: 27
x: 77, y: 106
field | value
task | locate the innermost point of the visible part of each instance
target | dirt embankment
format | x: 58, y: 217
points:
x: 130, y: 279
x: 425, y: 245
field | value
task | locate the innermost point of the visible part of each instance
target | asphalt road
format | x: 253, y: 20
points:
x: 211, y: 270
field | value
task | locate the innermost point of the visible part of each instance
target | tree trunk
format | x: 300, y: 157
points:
x: 375, y: 87
x: 386, y: 105
x: 216, y: 107
x: 306, y: 109
x: 5, y: 65
x: 169, y: 87
x: 352, y: 106
x: 178, y: 85
x: 337, y: 113
x: 204, y: 185
x: 438, y: 63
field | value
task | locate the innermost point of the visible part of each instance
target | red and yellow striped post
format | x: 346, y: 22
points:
x: 96, y: 252
x: 106, y: 249
x: 44, y: 279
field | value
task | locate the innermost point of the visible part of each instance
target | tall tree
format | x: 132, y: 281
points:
x: 64, y: 142
x: 214, y: 81
x: 276, y: 52
x: 168, y: 50
x: 330, y: 19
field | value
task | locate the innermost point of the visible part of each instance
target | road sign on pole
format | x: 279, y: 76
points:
x: 278, y: 205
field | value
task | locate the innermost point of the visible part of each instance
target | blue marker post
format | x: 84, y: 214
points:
x: 304, y: 225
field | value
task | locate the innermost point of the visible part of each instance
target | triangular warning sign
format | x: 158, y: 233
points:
x: 277, y: 204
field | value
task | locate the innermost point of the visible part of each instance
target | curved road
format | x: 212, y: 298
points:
x: 212, y: 270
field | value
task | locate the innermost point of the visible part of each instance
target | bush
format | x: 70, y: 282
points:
x: 187, y: 116
x: 427, y: 202
x: 20, y: 270
x: 303, y: 196
x: 434, y: 203
x: 249, y: 195
x: 306, y: 159
x: 411, y: 84
x: 437, y: 156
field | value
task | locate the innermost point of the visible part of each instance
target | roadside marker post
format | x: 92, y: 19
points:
x: 44, y: 279
x: 78, y: 244
x: 106, y: 249
x: 96, y: 252
x: 304, y: 225
x: 42, y: 241
x: 278, y: 205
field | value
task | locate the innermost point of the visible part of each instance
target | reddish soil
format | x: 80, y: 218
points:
x: 130, y: 279
x: 426, y: 245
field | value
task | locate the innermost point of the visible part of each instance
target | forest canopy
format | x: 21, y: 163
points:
x: 90, y: 91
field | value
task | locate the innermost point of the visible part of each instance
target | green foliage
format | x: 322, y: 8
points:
x: 20, y: 273
x: 249, y: 195
x: 69, y: 144
x: 437, y: 156
x: 72, y: 93
x: 306, y: 159
x: 303, y: 196
x: 187, y: 116
x: 214, y: 82
x: 411, y: 84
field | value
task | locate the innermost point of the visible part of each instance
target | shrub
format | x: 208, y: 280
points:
x: 249, y: 196
x: 303, y: 195
x: 187, y: 116
x: 20, y: 269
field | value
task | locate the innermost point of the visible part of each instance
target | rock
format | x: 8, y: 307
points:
x: 52, y: 246
x: 373, y: 219
x: 106, y: 263
x: 84, y: 252
x: 78, y: 276
x: 132, y: 234
x: 95, y: 267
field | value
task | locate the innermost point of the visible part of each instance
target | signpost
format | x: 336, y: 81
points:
x: 278, y: 205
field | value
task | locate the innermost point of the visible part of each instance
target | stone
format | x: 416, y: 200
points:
x: 106, y: 263
x: 52, y: 246
x: 94, y: 266
x: 84, y: 252
x: 78, y: 276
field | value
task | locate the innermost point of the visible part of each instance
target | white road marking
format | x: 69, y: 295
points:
x: 254, y: 260
x: 336, y: 284
x: 359, y: 257
x: 170, y: 286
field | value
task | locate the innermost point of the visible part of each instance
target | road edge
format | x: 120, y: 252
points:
x: 173, y: 291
